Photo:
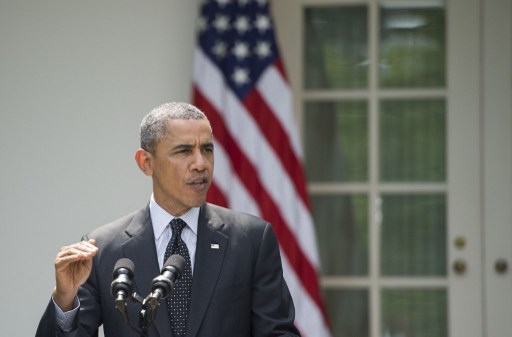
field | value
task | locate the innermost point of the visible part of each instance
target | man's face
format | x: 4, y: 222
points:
x: 182, y: 166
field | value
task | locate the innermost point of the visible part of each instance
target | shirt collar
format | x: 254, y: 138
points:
x: 160, y: 218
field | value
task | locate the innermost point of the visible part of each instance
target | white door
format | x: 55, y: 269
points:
x: 392, y: 98
x: 466, y: 303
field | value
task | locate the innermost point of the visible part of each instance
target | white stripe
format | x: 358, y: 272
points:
x: 229, y: 184
x: 308, y: 316
x: 246, y: 132
x: 270, y: 83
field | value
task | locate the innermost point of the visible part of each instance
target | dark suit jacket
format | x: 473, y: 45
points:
x: 237, y: 290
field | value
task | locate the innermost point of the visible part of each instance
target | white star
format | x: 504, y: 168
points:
x: 202, y: 23
x: 262, y: 2
x: 262, y: 23
x: 219, y: 49
x: 263, y: 49
x: 240, y: 76
x: 223, y: 3
x: 221, y: 23
x: 241, y: 50
x: 242, y: 24
x: 242, y: 3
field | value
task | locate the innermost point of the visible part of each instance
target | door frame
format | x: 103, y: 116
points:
x: 497, y: 164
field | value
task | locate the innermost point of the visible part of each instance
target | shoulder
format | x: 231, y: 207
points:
x: 230, y: 217
x: 237, y: 224
x: 120, y: 227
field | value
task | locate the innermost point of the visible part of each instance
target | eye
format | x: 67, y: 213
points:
x: 208, y: 149
x: 182, y: 151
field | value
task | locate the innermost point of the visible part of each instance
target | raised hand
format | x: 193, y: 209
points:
x: 73, y: 266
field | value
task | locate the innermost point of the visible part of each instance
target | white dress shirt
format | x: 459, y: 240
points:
x: 163, y: 232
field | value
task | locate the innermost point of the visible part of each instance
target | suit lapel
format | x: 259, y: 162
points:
x: 210, y: 250
x: 140, y: 248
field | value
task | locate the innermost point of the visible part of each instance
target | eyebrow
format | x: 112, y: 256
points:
x: 189, y: 146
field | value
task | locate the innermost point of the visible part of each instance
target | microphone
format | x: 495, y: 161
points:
x: 122, y: 285
x: 162, y: 285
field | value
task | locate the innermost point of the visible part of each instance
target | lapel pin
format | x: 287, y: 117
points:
x: 214, y: 246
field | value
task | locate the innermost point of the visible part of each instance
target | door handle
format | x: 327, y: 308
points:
x: 501, y: 266
x: 459, y: 266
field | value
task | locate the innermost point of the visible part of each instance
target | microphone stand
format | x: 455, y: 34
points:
x: 147, y: 313
x: 146, y: 316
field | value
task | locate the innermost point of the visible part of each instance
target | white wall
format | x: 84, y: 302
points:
x: 76, y: 77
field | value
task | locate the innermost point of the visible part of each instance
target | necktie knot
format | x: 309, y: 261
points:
x: 177, y: 225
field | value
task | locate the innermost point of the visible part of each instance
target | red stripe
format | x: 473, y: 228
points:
x: 304, y: 270
x: 280, y: 66
x: 276, y: 136
x: 216, y: 196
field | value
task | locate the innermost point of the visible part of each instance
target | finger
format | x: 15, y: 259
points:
x: 83, y: 246
x: 88, y: 245
x: 63, y: 264
x: 73, y: 254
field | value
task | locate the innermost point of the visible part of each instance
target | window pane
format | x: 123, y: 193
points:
x: 413, y: 141
x: 336, y: 47
x: 413, y: 235
x: 336, y: 141
x: 348, y: 312
x: 414, y: 313
x: 412, y: 46
x: 342, y: 228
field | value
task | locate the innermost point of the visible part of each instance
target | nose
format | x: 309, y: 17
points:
x: 199, y: 162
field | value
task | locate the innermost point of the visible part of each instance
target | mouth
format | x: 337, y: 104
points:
x: 198, y: 183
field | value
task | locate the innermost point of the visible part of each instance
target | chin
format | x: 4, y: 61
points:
x: 197, y: 202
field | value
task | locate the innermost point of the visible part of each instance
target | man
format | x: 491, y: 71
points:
x: 237, y: 286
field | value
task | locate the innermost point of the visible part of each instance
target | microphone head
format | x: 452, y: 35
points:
x: 122, y: 275
x: 176, y: 261
x: 123, y: 263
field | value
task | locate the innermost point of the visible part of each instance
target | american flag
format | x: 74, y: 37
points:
x: 240, y: 83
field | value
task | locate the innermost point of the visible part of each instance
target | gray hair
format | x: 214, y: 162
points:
x: 154, y: 124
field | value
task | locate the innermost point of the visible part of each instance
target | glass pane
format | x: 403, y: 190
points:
x: 348, y: 312
x: 342, y: 228
x: 414, y: 313
x: 412, y: 46
x: 336, y: 141
x: 336, y: 47
x: 413, y: 141
x: 413, y: 235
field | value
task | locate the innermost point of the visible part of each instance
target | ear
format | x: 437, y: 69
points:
x: 143, y: 159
